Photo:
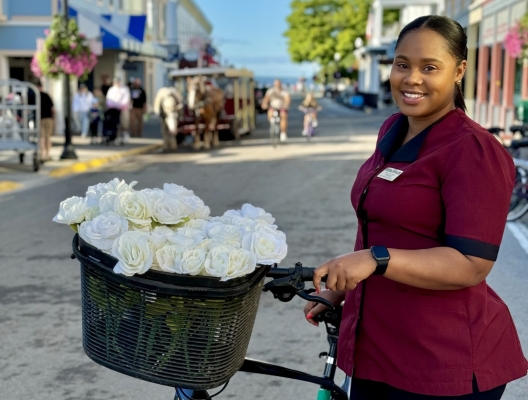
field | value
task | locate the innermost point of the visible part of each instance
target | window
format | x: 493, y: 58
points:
x: 110, y: 3
x: 121, y: 5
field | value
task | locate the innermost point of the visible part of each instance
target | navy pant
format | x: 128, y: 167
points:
x: 363, y: 389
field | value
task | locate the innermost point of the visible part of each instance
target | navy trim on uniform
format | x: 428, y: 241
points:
x: 472, y: 247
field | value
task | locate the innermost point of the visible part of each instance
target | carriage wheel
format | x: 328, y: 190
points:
x: 235, y: 130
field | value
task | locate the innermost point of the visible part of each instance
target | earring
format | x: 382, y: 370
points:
x: 459, y: 82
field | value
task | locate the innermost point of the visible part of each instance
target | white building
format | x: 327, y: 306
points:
x: 375, y: 58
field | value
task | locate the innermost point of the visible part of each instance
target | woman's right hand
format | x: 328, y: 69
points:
x: 312, y: 308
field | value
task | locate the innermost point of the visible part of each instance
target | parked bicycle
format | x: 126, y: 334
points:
x: 288, y: 283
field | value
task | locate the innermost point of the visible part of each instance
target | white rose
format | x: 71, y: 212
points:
x: 153, y: 194
x: 247, y: 225
x: 193, y: 261
x: 198, y: 235
x: 107, y: 202
x: 227, y: 218
x: 256, y: 213
x: 217, y: 261
x: 198, y: 207
x: 226, y: 234
x: 71, y: 211
x: 133, y: 251
x: 169, y: 258
x: 196, y: 224
x: 271, y: 229
x: 92, y: 212
x: 170, y: 210
x: 158, y: 239
x: 181, y: 240
x: 241, y: 262
x: 207, y: 244
x: 94, y: 193
x: 177, y: 190
x: 134, y: 206
x: 268, y: 248
x: 146, y: 228
x: 103, y: 230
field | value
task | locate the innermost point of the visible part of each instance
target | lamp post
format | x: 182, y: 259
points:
x: 68, y: 153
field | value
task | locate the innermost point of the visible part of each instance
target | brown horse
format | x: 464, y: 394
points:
x: 207, y: 102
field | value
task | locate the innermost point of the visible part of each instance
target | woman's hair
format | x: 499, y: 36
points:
x: 455, y: 37
x: 311, y: 103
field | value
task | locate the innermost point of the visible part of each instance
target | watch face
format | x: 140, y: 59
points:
x: 380, y: 252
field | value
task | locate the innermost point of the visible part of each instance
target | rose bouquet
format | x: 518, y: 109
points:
x: 65, y: 51
x: 171, y: 230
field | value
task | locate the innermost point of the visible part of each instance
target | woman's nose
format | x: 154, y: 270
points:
x: 413, y: 78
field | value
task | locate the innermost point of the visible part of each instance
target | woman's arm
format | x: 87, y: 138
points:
x: 439, y: 268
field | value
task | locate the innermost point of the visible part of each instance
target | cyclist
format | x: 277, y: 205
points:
x: 309, y: 107
x: 277, y: 98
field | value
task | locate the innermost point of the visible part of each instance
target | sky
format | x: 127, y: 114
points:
x: 249, y: 33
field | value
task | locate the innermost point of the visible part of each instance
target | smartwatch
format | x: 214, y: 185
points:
x: 382, y: 257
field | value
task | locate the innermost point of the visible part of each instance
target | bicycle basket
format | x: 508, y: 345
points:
x: 174, y: 330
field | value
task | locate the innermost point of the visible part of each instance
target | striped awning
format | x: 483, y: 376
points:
x: 119, y: 32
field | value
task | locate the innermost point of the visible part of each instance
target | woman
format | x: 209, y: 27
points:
x: 309, y: 107
x: 419, y: 319
x: 82, y: 103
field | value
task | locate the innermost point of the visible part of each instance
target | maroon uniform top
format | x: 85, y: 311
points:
x: 454, y: 191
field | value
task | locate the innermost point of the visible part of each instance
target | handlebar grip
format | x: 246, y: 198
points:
x: 306, y: 273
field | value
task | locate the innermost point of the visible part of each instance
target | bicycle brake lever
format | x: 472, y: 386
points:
x: 304, y: 295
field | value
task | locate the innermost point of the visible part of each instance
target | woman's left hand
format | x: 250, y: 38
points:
x: 346, y: 271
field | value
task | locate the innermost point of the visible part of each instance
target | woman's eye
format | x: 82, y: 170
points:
x: 400, y: 65
x: 430, y: 68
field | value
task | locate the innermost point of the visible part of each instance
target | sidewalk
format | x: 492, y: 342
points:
x: 14, y: 175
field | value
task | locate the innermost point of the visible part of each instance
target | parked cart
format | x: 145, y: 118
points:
x: 20, y: 119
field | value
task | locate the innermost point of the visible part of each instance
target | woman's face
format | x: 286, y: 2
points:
x: 424, y: 75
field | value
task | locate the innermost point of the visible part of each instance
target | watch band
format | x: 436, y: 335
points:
x: 382, y: 257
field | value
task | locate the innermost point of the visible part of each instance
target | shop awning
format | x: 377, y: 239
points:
x: 127, y: 36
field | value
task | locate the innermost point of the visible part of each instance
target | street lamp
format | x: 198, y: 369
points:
x: 68, y: 153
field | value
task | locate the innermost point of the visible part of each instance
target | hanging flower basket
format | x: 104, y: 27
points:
x: 516, y: 40
x: 65, y: 51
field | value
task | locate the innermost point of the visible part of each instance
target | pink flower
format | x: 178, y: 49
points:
x: 46, y: 32
x: 73, y: 45
x: 513, y: 43
x: 35, y: 67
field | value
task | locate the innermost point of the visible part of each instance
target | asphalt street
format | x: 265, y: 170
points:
x: 304, y: 185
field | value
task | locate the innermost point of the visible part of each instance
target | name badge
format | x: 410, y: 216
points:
x: 390, y: 174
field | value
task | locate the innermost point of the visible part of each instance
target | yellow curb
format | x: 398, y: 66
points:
x: 80, y: 167
x: 7, y: 186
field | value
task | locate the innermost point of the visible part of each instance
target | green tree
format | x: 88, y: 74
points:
x: 320, y: 28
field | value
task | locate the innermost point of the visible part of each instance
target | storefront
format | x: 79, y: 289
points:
x: 500, y: 77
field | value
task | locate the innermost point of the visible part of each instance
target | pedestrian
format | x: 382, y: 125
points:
x: 95, y: 120
x: 82, y: 102
x: 419, y: 321
x: 139, y: 107
x: 47, y: 123
x: 107, y: 84
x: 118, y: 99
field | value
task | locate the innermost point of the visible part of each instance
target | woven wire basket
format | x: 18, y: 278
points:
x: 174, y: 330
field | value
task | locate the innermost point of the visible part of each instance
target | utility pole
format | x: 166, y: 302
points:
x: 68, y: 152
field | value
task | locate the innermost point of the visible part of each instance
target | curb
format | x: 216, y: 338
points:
x: 7, y: 186
x: 80, y: 167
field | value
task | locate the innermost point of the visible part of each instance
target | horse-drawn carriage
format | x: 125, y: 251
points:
x: 232, y: 89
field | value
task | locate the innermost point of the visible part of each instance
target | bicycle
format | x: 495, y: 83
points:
x: 311, y: 124
x: 288, y: 283
x: 519, y: 198
x: 275, y: 127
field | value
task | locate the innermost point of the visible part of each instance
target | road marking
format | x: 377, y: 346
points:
x: 7, y: 186
x: 84, y: 166
x: 520, y: 231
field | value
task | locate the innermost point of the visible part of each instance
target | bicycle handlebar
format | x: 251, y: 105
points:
x: 306, y: 274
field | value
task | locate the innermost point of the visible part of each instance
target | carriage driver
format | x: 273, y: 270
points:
x: 278, y: 99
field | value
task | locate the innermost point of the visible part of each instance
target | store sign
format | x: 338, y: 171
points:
x: 502, y: 25
x: 488, y: 31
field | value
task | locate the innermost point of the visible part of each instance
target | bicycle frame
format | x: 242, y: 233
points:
x: 275, y: 127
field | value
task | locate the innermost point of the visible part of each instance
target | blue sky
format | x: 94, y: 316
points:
x: 248, y: 34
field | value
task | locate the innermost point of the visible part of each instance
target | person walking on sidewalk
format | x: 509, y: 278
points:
x: 82, y: 102
x: 139, y: 107
x: 419, y: 321
x: 118, y: 99
x: 47, y: 123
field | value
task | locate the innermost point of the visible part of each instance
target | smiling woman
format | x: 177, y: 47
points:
x: 419, y: 319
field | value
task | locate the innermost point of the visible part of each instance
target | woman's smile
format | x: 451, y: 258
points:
x: 411, y: 98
